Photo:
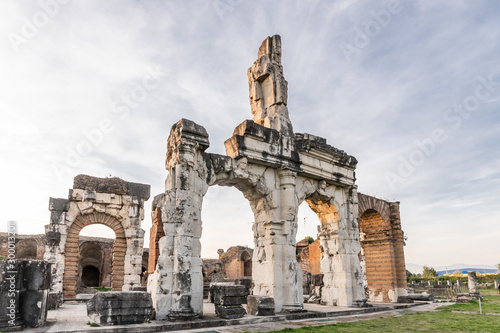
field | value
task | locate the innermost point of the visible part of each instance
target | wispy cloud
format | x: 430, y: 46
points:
x: 390, y: 95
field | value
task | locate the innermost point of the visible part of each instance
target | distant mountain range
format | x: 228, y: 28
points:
x: 418, y: 269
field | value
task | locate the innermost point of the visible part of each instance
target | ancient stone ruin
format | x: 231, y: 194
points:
x: 358, y: 256
x: 276, y: 169
x: 109, y: 201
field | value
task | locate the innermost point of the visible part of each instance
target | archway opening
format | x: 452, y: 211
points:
x: 88, y: 248
x: 227, y: 238
x: 377, y: 257
x: 90, y: 276
x: 307, y: 241
x: 323, y: 286
x: 95, y: 262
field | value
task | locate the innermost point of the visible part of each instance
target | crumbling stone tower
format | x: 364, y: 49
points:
x: 276, y: 170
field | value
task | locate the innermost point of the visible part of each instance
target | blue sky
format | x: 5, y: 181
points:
x: 410, y: 88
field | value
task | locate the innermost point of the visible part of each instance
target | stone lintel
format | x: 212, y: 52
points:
x: 263, y: 145
x: 306, y: 142
x: 113, y: 185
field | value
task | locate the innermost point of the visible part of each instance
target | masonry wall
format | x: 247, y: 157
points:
x: 382, y: 243
x: 315, y: 257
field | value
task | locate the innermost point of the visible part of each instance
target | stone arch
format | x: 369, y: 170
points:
x: 366, y: 202
x: 26, y: 249
x: 378, y: 256
x: 382, y: 254
x: 72, y: 251
x: 338, y: 234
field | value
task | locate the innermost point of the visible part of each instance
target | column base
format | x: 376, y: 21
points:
x: 292, y: 308
x: 182, y: 315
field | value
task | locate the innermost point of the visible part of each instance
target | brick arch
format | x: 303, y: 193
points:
x: 377, y: 246
x: 72, y: 251
x: 366, y: 203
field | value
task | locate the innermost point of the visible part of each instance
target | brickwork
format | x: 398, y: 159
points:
x: 315, y: 257
x: 156, y: 232
x: 72, y: 251
x: 399, y: 243
x: 303, y: 259
x: 382, y: 242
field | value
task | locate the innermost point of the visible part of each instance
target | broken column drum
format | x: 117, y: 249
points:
x: 276, y: 170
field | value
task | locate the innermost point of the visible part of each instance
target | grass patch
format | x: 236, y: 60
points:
x: 443, y: 320
x: 490, y: 303
x: 101, y: 288
x: 418, y: 322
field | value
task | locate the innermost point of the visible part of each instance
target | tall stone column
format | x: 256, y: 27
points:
x: 177, y: 285
x: 275, y: 270
x: 291, y: 270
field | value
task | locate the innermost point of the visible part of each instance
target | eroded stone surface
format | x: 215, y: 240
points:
x: 260, y: 306
x: 24, y: 291
x: 276, y: 170
x: 109, y: 201
x: 119, y: 308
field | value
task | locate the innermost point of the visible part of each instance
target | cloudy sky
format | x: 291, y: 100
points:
x: 410, y: 88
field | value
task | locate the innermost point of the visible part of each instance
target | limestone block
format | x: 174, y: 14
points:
x: 73, y: 212
x: 133, y: 211
x: 229, y: 294
x: 119, y: 308
x: 126, y: 200
x: 260, y: 305
x: 102, y: 197
x: 113, y: 211
x: 229, y: 312
x: 75, y: 194
x: 99, y: 208
x: 86, y: 207
x: 89, y: 195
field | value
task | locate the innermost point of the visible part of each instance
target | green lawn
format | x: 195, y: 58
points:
x: 490, y: 303
x: 440, y: 321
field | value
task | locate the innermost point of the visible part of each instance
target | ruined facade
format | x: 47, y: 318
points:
x: 109, y: 201
x: 358, y: 254
x: 276, y: 170
x: 382, y: 253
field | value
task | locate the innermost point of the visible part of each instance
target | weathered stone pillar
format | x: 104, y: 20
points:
x: 339, y: 238
x: 176, y: 287
x: 291, y: 270
x: 401, y: 288
x: 133, y: 258
x: 56, y: 233
x: 472, y: 283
